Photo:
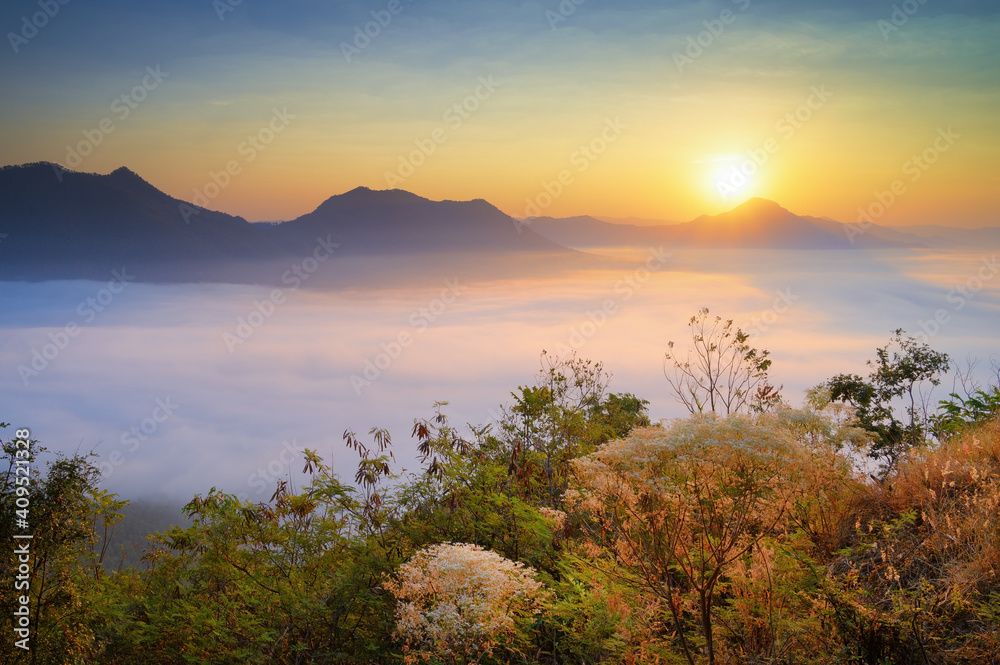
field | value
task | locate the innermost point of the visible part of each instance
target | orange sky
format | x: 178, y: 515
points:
x: 644, y: 110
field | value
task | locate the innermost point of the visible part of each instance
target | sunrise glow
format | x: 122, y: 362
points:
x: 468, y: 118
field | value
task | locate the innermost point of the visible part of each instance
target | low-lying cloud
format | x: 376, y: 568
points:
x: 151, y: 387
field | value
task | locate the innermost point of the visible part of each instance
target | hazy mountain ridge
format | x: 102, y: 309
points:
x: 64, y: 220
x: 396, y: 221
x: 755, y: 224
x: 63, y: 224
x: 949, y: 237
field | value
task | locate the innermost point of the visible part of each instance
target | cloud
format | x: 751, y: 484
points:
x: 289, y: 384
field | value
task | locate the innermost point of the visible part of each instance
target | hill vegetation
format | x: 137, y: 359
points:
x: 573, y: 530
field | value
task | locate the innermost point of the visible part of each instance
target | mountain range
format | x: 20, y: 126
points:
x: 61, y: 224
x: 758, y: 224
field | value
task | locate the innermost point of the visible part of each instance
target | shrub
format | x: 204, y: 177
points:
x: 458, y: 602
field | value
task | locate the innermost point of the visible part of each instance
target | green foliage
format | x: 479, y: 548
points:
x: 566, y: 414
x: 898, y: 372
x: 740, y: 539
x: 772, y: 614
x: 584, y: 624
x: 464, y: 493
x: 70, y: 521
x: 959, y: 412
x: 291, y: 579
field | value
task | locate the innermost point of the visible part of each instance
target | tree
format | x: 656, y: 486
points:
x: 721, y: 373
x: 464, y: 492
x: 899, y: 372
x: 566, y: 414
x: 291, y: 580
x: 458, y: 602
x: 70, y: 521
x: 972, y: 406
x: 676, y: 507
x: 962, y: 411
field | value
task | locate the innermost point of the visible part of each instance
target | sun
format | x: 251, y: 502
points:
x: 729, y: 180
x: 730, y: 177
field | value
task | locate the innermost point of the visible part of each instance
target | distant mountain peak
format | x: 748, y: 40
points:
x: 366, y: 196
x: 368, y: 191
x: 125, y: 174
x: 397, y: 221
x: 760, y: 206
x: 755, y: 212
x: 358, y: 191
x: 130, y: 180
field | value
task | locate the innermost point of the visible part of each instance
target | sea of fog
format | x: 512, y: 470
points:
x: 178, y: 388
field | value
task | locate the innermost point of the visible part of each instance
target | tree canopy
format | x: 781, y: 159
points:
x: 572, y: 529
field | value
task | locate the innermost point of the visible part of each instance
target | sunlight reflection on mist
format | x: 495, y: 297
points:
x: 288, y: 384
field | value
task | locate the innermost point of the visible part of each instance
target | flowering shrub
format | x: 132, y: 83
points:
x: 457, y: 602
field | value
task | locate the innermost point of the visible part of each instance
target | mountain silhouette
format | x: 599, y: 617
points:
x: 366, y: 221
x: 760, y: 223
x: 756, y: 224
x: 61, y: 224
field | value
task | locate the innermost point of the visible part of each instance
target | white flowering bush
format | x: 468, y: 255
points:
x: 456, y: 602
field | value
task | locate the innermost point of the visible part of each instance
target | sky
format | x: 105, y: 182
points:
x: 659, y: 110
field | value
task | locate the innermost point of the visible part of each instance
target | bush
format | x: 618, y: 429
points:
x: 458, y: 602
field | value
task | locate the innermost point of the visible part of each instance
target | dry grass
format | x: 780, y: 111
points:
x: 955, y: 491
x: 926, y: 554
